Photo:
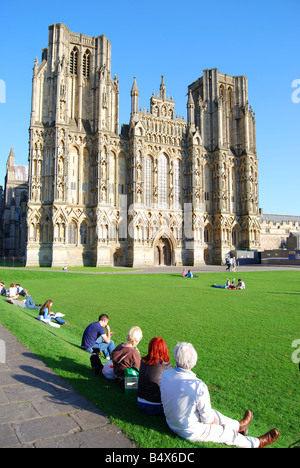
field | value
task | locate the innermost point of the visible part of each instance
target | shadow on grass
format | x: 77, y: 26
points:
x: 105, y: 394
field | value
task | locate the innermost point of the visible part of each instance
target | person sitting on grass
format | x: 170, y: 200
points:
x: 240, y: 285
x: 3, y: 289
x: 190, y: 275
x: 126, y: 355
x: 98, y: 335
x: 12, y: 291
x: 188, y: 411
x: 46, y: 314
x: 152, y: 367
x: 20, y: 290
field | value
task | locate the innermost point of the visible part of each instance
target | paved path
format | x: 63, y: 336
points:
x: 39, y: 409
x: 202, y: 269
x: 169, y: 269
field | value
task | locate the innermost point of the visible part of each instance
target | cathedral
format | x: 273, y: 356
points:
x: 161, y: 191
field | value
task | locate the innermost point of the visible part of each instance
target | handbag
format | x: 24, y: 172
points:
x: 108, y: 370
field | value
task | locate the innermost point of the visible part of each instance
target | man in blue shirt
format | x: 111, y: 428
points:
x: 98, y: 335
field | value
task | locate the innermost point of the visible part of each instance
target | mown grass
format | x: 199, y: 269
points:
x: 243, y: 339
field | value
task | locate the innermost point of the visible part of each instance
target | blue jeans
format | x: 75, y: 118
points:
x: 150, y: 409
x: 105, y: 348
x: 50, y: 317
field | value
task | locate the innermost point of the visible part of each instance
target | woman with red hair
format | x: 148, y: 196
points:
x: 152, y: 367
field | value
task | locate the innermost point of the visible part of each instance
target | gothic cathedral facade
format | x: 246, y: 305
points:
x: 162, y: 191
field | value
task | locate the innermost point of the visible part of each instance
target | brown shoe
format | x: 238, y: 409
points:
x: 268, y: 438
x: 244, y: 423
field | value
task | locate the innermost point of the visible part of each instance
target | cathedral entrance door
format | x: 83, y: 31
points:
x: 118, y: 258
x: 163, y: 252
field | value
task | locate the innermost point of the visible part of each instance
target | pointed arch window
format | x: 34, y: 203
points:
x: 162, y: 181
x: 83, y: 233
x: 72, y: 233
x: 86, y: 64
x: 230, y: 98
x: 148, y: 181
x: 207, y: 187
x: 74, y: 61
x: 177, y: 183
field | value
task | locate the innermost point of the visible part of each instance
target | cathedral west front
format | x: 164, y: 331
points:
x: 162, y: 191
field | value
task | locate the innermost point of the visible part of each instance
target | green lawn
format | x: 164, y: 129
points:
x: 243, y: 339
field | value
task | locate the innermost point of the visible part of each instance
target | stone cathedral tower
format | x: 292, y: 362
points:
x: 74, y: 152
x: 223, y: 161
x: 164, y: 191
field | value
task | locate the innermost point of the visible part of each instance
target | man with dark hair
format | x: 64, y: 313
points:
x: 98, y: 335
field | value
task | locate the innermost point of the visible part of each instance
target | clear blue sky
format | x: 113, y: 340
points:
x: 259, y: 39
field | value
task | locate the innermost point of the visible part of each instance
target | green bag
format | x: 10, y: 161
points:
x: 131, y: 378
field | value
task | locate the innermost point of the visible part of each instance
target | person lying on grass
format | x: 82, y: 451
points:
x: 27, y: 303
x: 227, y: 285
x: 188, y: 411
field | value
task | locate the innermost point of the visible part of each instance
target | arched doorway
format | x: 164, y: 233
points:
x: 163, y: 252
x: 207, y: 256
x: 118, y: 257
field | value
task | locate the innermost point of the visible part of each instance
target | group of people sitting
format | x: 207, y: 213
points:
x: 228, y: 285
x: 188, y: 274
x: 174, y: 392
x: 18, y: 296
x: 12, y: 292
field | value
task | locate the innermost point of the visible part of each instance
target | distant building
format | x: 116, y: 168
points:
x: 275, y: 229
x: 14, y: 209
